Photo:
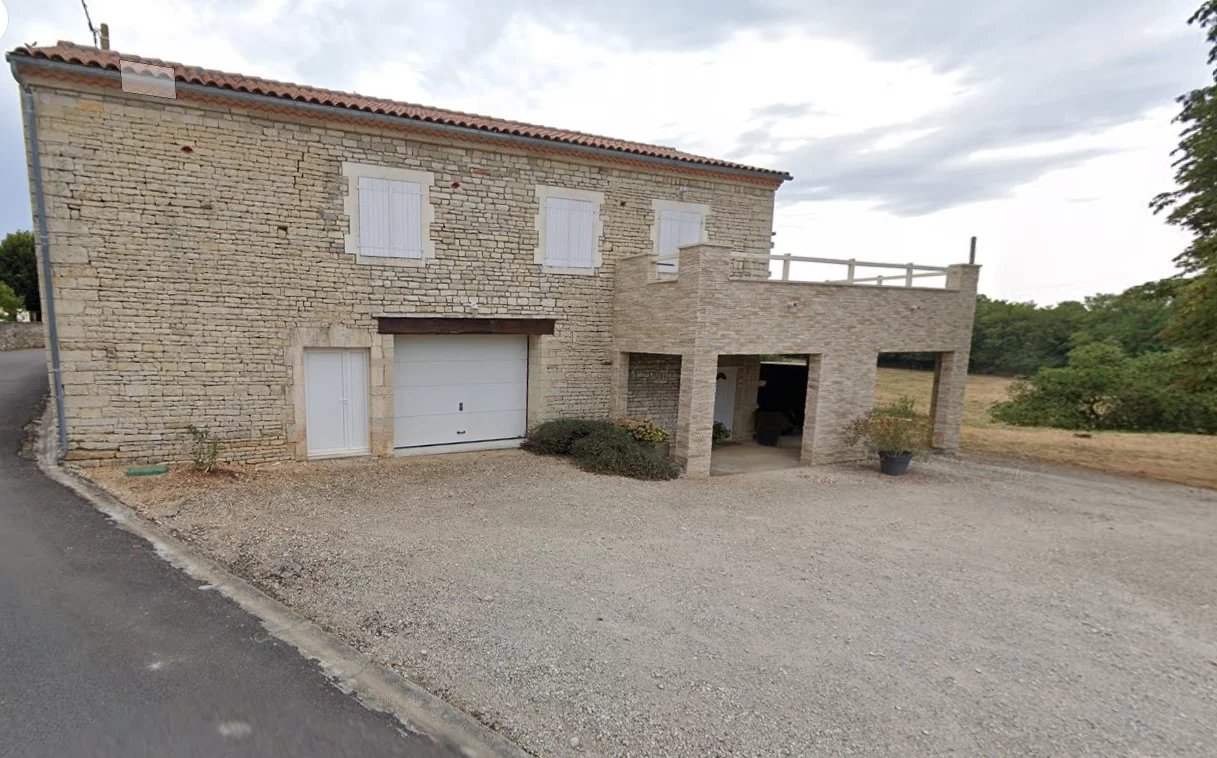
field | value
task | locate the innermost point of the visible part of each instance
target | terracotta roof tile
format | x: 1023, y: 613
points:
x: 68, y: 52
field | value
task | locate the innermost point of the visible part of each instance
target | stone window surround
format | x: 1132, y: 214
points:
x: 545, y: 192
x: 350, y: 206
x: 658, y: 205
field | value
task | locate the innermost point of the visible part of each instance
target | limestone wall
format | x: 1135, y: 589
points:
x: 17, y: 335
x: 193, y: 244
x: 654, y: 386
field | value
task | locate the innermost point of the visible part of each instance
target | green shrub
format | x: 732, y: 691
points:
x: 600, y: 447
x: 204, y: 448
x: 720, y: 433
x: 556, y: 437
x: 615, y: 451
x: 1103, y: 388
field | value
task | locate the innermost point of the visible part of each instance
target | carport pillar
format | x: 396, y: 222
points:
x: 619, y: 392
x: 840, y: 387
x: 695, y: 412
x: 946, y: 402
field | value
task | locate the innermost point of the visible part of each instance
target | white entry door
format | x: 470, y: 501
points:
x: 724, y: 396
x: 336, y: 402
x: 457, y: 389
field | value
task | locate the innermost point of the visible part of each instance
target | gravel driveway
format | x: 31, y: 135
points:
x: 969, y: 607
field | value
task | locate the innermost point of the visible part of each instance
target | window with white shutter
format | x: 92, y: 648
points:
x: 569, y: 230
x: 676, y: 224
x: 390, y: 218
x: 390, y: 214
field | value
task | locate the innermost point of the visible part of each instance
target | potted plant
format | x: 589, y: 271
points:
x: 895, y: 432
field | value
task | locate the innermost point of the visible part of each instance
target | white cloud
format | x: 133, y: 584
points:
x: 1028, y: 124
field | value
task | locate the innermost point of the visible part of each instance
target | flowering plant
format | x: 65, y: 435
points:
x: 644, y: 430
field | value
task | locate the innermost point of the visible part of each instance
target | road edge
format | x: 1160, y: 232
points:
x: 377, y: 687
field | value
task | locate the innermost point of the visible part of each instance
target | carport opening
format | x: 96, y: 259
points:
x: 759, y: 407
x: 906, y: 375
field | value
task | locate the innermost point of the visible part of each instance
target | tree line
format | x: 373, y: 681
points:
x: 18, y: 277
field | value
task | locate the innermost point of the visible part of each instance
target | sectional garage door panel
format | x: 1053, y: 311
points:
x: 434, y: 400
x: 455, y: 389
x: 459, y: 428
x: 461, y: 373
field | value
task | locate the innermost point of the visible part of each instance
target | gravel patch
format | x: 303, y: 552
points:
x: 969, y: 607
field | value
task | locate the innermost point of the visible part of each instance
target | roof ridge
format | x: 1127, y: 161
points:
x: 65, y: 51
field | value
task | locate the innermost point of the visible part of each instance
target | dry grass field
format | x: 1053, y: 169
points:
x: 1184, y: 458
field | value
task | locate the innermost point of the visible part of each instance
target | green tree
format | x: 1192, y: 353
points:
x: 1193, y: 206
x: 1134, y: 319
x: 1104, y: 388
x: 19, y: 270
x: 10, y: 304
x: 1017, y: 339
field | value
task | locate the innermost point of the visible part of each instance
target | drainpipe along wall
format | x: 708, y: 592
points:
x: 44, y: 245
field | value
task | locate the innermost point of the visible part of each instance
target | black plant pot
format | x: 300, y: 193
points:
x: 769, y: 426
x: 895, y: 464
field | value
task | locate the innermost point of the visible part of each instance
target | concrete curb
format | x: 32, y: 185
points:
x: 377, y: 687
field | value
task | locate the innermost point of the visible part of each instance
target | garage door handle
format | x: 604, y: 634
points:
x: 460, y: 406
x: 462, y: 431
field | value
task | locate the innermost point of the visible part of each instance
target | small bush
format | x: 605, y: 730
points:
x: 720, y: 433
x: 615, y: 451
x: 644, y: 430
x: 556, y: 437
x: 600, y: 447
x: 892, y: 428
x: 204, y: 448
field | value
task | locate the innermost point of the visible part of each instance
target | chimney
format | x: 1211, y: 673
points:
x: 105, y: 36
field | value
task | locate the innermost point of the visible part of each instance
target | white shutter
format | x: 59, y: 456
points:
x: 390, y: 218
x: 582, y: 234
x: 677, y: 228
x: 557, y: 232
x: 570, y: 233
x: 373, y: 216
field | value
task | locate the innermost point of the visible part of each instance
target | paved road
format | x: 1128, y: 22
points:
x: 106, y: 650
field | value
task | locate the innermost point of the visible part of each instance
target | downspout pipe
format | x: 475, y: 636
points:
x: 44, y: 244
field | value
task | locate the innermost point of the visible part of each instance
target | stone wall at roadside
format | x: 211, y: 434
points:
x: 198, y: 246
x: 18, y: 335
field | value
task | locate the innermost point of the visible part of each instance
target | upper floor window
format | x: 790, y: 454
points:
x: 569, y: 230
x: 676, y: 224
x: 390, y: 214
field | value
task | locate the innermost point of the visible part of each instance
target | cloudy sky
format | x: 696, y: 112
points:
x: 1041, y: 126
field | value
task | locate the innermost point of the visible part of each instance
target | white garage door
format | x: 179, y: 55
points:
x: 336, y: 402
x: 455, y: 389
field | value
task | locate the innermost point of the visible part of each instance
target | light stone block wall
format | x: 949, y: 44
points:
x: 18, y: 335
x: 708, y: 311
x: 187, y: 281
x: 654, y: 386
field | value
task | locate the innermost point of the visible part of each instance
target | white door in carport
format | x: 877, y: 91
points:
x: 455, y: 389
x: 336, y: 402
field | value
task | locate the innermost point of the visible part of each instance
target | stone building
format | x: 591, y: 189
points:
x: 307, y: 274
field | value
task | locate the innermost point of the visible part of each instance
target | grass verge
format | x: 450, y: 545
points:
x: 1185, y: 458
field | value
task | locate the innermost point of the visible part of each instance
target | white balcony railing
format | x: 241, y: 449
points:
x: 907, y: 272
x: 802, y: 268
